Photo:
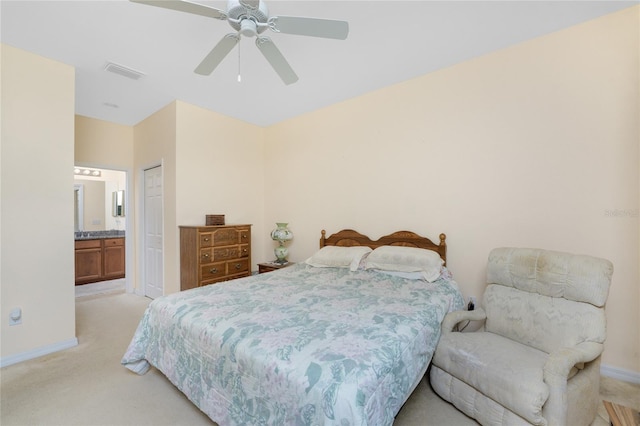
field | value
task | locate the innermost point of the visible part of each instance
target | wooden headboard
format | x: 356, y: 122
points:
x: 349, y: 238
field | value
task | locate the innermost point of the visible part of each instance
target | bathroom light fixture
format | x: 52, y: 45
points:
x: 81, y: 171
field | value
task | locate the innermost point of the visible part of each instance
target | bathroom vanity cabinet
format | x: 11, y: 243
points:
x: 99, y: 260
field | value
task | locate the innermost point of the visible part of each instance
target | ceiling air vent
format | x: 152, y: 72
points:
x: 123, y: 71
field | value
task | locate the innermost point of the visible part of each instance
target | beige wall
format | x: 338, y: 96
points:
x: 155, y: 144
x: 212, y: 164
x: 220, y: 170
x: 36, y: 219
x: 535, y: 145
x: 99, y: 143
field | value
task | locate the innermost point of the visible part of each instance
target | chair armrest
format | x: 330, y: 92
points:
x: 560, y: 362
x: 456, y: 317
x: 556, y: 373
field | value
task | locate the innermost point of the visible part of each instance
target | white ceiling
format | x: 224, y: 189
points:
x: 388, y: 42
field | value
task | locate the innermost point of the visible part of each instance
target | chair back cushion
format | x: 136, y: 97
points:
x: 546, y: 299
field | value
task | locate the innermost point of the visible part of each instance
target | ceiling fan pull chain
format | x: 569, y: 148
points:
x: 239, y: 76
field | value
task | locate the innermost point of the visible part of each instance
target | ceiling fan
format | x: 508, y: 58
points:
x: 251, y: 18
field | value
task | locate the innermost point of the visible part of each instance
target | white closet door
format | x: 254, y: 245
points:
x: 153, y: 266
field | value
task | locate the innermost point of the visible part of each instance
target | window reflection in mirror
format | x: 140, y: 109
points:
x: 78, y: 209
x: 118, y: 203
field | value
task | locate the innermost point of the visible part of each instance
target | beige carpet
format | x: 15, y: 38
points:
x: 86, y: 385
x: 102, y: 287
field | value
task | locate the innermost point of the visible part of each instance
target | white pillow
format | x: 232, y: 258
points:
x: 406, y: 259
x: 338, y: 257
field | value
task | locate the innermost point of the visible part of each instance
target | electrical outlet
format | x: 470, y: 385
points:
x: 15, y: 316
x: 472, y: 303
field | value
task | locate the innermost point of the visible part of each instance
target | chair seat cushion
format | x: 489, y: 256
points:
x: 506, y: 371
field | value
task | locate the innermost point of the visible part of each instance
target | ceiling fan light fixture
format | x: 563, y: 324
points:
x: 248, y: 28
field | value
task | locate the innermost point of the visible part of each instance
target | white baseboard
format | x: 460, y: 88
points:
x: 620, y: 374
x: 38, y: 352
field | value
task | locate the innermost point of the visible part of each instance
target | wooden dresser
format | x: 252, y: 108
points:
x: 211, y: 254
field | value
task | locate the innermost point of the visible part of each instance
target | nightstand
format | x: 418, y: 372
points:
x: 272, y: 266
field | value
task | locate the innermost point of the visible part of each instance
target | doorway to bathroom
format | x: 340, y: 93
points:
x: 100, y: 228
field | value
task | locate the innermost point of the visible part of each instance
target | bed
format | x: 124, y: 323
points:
x: 335, y: 340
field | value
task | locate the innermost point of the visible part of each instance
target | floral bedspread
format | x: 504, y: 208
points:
x: 299, y: 346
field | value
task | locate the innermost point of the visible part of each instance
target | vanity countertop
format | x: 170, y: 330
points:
x: 97, y: 235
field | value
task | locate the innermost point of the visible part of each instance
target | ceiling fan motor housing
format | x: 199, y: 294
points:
x: 238, y: 13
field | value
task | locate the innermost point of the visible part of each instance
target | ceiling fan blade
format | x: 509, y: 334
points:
x: 314, y: 27
x: 186, y: 6
x: 217, y: 54
x: 277, y: 61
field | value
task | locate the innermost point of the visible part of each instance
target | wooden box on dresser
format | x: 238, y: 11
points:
x: 211, y: 254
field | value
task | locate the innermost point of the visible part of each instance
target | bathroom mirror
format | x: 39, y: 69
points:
x: 118, y: 203
x: 95, y: 204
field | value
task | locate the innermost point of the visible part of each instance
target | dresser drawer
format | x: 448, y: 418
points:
x: 226, y: 253
x: 225, y: 237
x: 237, y: 266
x: 214, y: 254
x: 245, y: 236
x: 213, y: 270
x: 220, y: 269
x: 206, y: 255
x: 206, y: 239
x: 221, y: 237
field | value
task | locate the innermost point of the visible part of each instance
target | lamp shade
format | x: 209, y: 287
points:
x: 281, y: 233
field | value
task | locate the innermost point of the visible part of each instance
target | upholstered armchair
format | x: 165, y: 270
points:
x: 536, y: 358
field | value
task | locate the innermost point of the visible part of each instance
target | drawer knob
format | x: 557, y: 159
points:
x: 238, y: 266
x: 206, y: 239
x: 244, y: 236
x: 213, y: 270
x: 206, y: 255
